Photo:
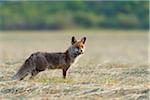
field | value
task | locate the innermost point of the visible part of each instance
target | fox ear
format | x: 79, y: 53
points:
x: 83, y: 40
x: 73, y: 40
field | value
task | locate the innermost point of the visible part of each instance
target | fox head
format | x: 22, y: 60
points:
x: 77, y: 47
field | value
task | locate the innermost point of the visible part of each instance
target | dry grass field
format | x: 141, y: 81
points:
x: 114, y: 66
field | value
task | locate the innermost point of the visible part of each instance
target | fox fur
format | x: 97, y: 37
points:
x: 41, y: 61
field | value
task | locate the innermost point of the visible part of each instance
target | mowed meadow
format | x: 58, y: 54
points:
x: 114, y: 66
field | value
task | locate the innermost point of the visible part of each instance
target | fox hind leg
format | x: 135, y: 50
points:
x: 34, y: 73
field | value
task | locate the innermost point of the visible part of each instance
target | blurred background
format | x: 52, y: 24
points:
x: 110, y: 27
x: 59, y: 15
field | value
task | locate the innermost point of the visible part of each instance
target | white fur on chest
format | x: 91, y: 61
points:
x: 76, y: 60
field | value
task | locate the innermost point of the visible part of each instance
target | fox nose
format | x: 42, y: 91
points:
x: 81, y: 51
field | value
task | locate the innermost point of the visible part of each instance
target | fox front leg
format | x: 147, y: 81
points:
x: 65, y: 72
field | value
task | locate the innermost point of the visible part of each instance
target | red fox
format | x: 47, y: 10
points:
x: 41, y: 61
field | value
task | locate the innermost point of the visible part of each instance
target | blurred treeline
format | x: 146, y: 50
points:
x: 32, y: 15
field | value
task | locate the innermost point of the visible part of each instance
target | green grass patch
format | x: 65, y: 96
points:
x: 54, y: 80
